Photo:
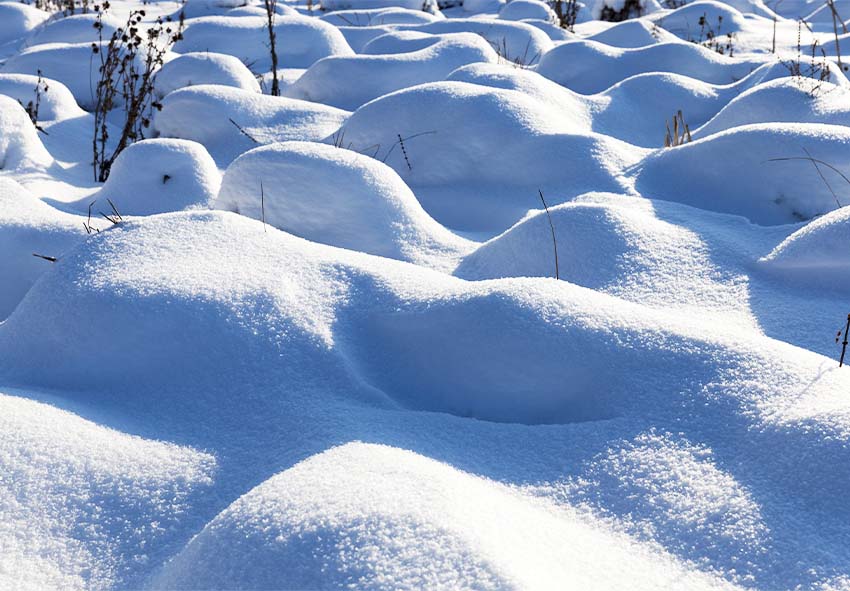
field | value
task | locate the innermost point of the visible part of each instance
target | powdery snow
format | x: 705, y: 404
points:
x: 337, y: 339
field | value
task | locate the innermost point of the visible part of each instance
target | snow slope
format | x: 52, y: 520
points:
x: 447, y: 314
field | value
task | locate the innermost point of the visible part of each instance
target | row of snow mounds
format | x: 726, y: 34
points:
x: 301, y: 40
x: 338, y: 197
x: 27, y: 226
x: 280, y: 330
x: 84, y: 506
x: 229, y: 121
x: 55, y: 103
x: 517, y: 42
x: 191, y: 69
x: 347, y: 82
x: 380, y: 17
x: 589, y: 67
x: 279, y: 307
x: 440, y: 138
x: 429, y: 6
x: 365, y: 516
x: 745, y: 171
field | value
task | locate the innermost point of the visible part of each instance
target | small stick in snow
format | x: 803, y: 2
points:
x: 51, y: 259
x: 843, y: 344
x: 263, y: 205
x: 245, y: 133
x: 552, y: 228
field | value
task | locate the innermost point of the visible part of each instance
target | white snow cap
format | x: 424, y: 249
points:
x: 156, y: 176
x: 230, y: 121
x: 195, y: 68
x: 337, y: 197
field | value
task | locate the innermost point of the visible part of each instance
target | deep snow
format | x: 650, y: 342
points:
x: 315, y: 341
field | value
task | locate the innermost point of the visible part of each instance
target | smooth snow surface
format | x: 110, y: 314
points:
x: 455, y: 310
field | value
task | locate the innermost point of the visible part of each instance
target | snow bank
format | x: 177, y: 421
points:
x: 20, y: 147
x: 301, y: 40
x: 514, y: 41
x: 55, y: 103
x: 731, y: 171
x: 376, y: 517
x: 29, y: 226
x: 85, y: 506
x: 210, y: 115
x: 156, y: 176
x: 589, y: 67
x: 204, y: 68
x: 337, y: 197
x: 449, y: 130
x: 199, y: 8
x: 349, y: 82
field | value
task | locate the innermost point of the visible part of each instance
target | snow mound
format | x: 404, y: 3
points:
x: 633, y: 33
x: 55, y: 103
x: 448, y: 130
x: 732, y: 171
x: 577, y: 111
x: 590, y: 67
x: 337, y: 197
x: 637, y: 108
x: 229, y: 121
x: 783, y: 100
x: 69, y: 63
x: 380, y: 16
x: 156, y: 176
x: 395, y: 42
x: 357, y: 37
x: 17, y: 20
x: 29, y: 226
x: 198, y: 8
x: 20, y: 147
x: 351, y: 81
x: 65, y: 493
x: 513, y: 41
x: 719, y: 17
x: 191, y: 69
x: 76, y: 28
x: 340, y: 5
x: 518, y: 10
x: 620, y: 245
x: 365, y: 516
x: 816, y: 252
x: 301, y: 40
